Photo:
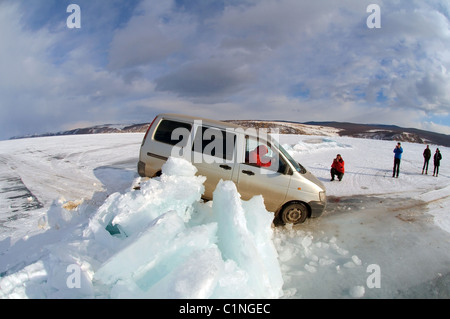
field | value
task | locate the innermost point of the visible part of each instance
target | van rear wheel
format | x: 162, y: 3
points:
x: 295, y: 213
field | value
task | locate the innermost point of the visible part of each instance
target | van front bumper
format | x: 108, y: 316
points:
x: 317, y: 208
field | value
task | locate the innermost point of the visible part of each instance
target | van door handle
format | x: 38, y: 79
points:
x: 226, y: 167
x: 248, y: 172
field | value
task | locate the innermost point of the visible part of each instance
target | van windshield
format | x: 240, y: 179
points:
x: 298, y: 167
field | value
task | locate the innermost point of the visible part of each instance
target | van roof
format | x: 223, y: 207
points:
x: 215, y: 123
x: 209, y: 121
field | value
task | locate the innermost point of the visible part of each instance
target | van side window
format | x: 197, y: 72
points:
x: 261, y: 154
x: 214, y: 142
x: 165, y: 129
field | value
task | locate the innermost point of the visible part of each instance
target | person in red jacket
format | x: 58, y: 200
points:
x: 337, y: 168
x: 258, y: 156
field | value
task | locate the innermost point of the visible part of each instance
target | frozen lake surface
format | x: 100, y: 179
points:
x: 376, y: 230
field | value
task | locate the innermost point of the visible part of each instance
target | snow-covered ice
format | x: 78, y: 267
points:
x: 73, y: 227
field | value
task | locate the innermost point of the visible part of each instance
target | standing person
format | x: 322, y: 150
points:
x: 258, y: 156
x: 437, y: 161
x: 398, y: 150
x: 337, y: 168
x: 426, y: 159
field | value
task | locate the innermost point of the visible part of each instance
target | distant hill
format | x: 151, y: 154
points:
x: 369, y: 131
x: 387, y: 132
x: 98, y: 129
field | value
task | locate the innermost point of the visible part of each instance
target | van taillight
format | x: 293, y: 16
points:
x: 148, y: 130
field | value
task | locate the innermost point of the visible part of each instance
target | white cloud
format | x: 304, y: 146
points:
x: 40, y: 92
x: 433, y: 127
x: 151, y: 36
x: 284, y: 59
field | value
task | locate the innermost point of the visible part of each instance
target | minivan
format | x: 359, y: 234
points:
x: 251, y: 158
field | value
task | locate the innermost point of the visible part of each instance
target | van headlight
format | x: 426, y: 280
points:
x: 322, y: 196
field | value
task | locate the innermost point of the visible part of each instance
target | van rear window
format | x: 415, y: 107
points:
x: 166, y: 128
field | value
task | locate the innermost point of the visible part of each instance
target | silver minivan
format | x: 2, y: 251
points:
x: 252, y: 159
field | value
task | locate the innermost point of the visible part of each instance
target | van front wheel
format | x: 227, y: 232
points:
x: 295, y: 213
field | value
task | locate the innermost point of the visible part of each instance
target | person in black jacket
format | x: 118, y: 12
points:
x: 426, y: 159
x: 437, y: 161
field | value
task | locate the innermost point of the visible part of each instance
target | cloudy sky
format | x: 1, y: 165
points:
x: 293, y: 60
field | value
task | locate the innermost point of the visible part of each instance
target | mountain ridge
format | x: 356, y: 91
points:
x: 369, y: 131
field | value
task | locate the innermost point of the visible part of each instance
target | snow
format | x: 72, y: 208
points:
x: 72, y: 226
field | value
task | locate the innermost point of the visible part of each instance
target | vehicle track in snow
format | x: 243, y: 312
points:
x: 16, y: 200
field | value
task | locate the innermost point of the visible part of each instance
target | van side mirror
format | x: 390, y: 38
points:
x: 302, y: 169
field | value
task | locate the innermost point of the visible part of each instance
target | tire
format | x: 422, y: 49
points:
x: 294, y: 213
